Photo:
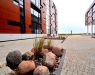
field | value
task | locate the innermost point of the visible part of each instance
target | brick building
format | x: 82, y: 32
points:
x: 90, y: 19
x: 51, y: 18
x: 28, y: 16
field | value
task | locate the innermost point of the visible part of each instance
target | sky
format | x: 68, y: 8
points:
x: 71, y: 15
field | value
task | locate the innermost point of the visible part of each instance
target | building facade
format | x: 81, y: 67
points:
x: 51, y: 17
x: 90, y: 19
x: 28, y: 16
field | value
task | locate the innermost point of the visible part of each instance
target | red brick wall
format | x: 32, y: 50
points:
x: 27, y: 16
x: 43, y: 15
x: 7, y: 12
x: 10, y: 11
x: 52, y: 17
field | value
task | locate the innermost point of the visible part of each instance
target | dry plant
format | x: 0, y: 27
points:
x: 49, y: 43
x: 38, y: 46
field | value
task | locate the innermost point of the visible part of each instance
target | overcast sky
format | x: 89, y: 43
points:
x: 71, y: 15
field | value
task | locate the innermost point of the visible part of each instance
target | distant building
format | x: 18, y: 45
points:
x: 28, y: 16
x: 90, y: 19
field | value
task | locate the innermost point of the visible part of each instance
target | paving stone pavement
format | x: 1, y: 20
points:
x: 80, y: 56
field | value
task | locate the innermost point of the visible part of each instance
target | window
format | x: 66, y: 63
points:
x: 21, y: 3
x: 36, y: 2
x: 36, y: 21
x: 94, y: 8
x: 93, y: 15
x: 39, y: 3
x: 39, y: 15
x: 90, y: 13
x: 21, y: 12
x: 15, y: 2
x: 93, y: 22
x: 35, y: 16
x: 34, y: 12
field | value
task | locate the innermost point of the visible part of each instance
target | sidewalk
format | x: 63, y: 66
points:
x: 80, y: 56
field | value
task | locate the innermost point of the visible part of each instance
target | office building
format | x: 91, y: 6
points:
x: 90, y: 19
x: 28, y: 16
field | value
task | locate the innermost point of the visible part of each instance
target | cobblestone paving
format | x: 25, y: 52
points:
x: 80, y: 56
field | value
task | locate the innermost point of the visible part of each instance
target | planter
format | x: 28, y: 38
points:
x: 59, y: 65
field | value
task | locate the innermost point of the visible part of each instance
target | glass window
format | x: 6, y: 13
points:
x: 93, y: 15
x: 21, y: 2
x: 34, y: 1
x: 15, y: 2
x: 32, y: 10
x: 90, y: 13
x: 39, y: 15
x: 37, y: 2
x: 35, y: 13
x: 93, y: 22
x: 94, y: 8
